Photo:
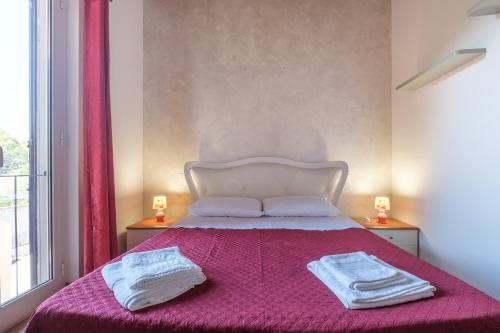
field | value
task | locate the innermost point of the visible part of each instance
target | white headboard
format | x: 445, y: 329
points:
x: 265, y: 177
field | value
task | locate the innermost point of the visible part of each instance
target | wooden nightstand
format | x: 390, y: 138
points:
x: 401, y: 234
x: 148, y: 227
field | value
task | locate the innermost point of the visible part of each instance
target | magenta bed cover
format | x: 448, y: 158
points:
x: 258, y: 282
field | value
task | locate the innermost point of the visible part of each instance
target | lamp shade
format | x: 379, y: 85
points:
x: 160, y: 202
x: 382, y: 203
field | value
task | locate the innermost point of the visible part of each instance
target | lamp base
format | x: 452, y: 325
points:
x: 382, y: 217
x: 160, y: 216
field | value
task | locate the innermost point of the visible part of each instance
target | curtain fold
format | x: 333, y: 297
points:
x: 99, y: 212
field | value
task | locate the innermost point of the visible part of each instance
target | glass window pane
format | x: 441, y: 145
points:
x: 25, y: 237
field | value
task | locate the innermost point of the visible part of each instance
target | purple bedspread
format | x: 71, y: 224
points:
x: 258, y: 282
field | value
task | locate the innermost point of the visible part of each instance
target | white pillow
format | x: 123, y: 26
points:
x: 299, y: 206
x: 226, y: 206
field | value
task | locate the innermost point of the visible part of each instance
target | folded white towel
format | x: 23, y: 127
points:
x: 359, y: 271
x: 147, y: 269
x: 135, y: 299
x: 413, y: 289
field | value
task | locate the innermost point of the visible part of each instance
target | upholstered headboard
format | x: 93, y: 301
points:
x: 264, y: 177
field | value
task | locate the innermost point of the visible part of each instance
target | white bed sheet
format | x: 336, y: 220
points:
x: 266, y: 222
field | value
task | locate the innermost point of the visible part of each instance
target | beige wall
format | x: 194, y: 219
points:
x: 70, y: 233
x: 125, y: 23
x: 307, y: 80
x: 446, y: 156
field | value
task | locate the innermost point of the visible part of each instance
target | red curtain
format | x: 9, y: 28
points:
x: 99, y: 212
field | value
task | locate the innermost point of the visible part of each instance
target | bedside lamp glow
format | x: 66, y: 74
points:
x: 160, y: 203
x: 382, y: 204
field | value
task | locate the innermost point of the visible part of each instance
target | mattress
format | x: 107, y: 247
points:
x: 258, y: 282
x: 303, y: 223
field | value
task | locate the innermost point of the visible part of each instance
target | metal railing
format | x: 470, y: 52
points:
x: 10, y: 202
x: 16, y: 210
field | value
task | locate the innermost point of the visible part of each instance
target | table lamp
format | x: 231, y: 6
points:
x: 160, y: 203
x: 382, y: 204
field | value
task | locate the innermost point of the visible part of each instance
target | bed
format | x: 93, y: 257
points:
x: 256, y: 270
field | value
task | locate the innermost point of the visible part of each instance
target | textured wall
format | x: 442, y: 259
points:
x: 446, y: 157
x: 125, y: 29
x: 307, y: 80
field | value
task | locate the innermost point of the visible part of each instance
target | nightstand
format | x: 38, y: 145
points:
x: 146, y: 228
x: 401, y: 234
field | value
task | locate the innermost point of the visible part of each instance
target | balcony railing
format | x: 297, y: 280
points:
x: 16, y: 268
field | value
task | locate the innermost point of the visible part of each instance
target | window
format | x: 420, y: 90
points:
x: 25, y: 169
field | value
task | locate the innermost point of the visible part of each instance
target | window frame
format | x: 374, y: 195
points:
x: 19, y: 308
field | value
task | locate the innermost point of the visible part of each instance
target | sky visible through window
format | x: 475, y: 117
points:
x: 14, y: 68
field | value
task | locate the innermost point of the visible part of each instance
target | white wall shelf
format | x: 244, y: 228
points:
x: 485, y: 7
x: 441, y: 67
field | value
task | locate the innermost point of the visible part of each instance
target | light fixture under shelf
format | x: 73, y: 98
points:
x: 485, y: 7
x: 441, y: 67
